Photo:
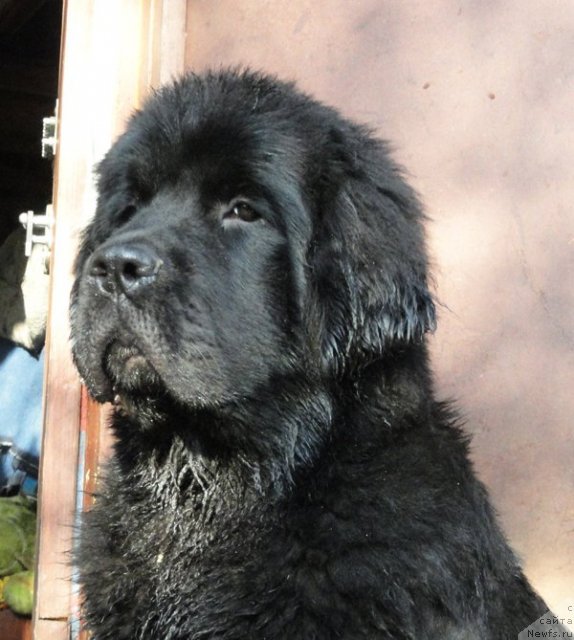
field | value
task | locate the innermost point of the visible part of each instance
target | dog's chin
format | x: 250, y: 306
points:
x: 130, y: 372
x: 125, y: 375
x: 121, y: 370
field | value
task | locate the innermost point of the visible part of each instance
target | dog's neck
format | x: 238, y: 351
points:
x: 392, y: 392
x: 257, y: 444
x: 265, y: 446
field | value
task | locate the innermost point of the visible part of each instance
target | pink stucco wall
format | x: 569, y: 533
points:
x: 478, y: 99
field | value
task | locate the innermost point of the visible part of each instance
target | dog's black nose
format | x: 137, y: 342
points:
x: 126, y: 268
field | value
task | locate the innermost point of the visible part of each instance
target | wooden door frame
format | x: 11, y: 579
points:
x: 112, y: 53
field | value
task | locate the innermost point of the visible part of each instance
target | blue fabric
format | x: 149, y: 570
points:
x: 21, y: 380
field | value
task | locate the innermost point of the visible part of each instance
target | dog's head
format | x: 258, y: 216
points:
x: 245, y: 234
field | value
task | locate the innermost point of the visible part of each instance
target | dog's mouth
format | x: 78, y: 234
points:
x: 129, y: 371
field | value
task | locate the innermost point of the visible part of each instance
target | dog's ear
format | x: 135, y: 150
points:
x: 368, y: 259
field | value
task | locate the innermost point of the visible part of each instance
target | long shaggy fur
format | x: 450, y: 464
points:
x: 252, y: 295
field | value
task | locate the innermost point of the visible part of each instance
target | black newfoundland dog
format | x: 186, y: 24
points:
x: 252, y: 297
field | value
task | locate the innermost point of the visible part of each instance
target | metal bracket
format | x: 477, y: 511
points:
x: 50, y: 135
x: 34, y: 223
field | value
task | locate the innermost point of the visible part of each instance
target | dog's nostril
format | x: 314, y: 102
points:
x: 125, y: 268
x: 131, y: 270
x: 98, y: 269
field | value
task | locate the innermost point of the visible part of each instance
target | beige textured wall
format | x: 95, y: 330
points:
x: 478, y: 99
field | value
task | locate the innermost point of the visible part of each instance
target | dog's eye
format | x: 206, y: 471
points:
x: 126, y: 214
x: 242, y: 211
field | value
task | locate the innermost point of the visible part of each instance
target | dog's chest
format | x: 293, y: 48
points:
x: 182, y: 568
x: 237, y: 577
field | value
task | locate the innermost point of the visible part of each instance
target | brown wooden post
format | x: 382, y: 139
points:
x: 112, y: 53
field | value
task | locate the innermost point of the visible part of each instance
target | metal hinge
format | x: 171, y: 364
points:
x: 50, y: 135
x: 38, y: 228
x: 39, y: 225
